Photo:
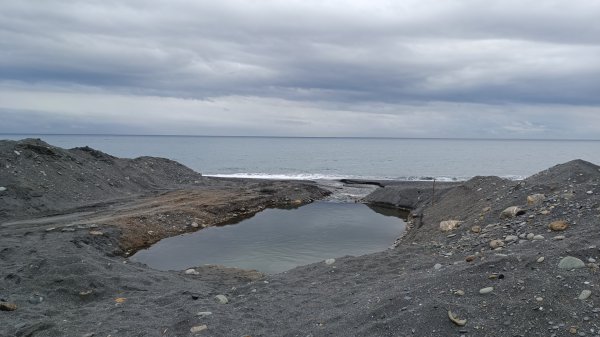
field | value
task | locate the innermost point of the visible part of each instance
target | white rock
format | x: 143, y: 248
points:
x: 437, y: 266
x: 203, y: 313
x: 198, y: 328
x: 512, y: 212
x: 2, y: 188
x: 222, y: 299
x: 449, y: 225
x: 195, y: 224
x: 591, y: 260
x: 510, y: 238
x: 487, y: 290
x: 538, y: 237
x: 192, y: 271
x: 540, y: 259
x: 590, y: 192
x: 530, y: 236
x: 559, y: 237
x: 585, y: 294
x: 329, y: 261
x: 17, y: 153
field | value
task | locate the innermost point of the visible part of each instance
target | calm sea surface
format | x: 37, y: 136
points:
x: 331, y: 158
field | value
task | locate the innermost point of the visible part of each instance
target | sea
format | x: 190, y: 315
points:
x: 336, y: 158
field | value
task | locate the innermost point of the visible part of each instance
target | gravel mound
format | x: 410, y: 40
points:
x: 39, y: 178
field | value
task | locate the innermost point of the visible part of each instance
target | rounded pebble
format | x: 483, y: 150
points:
x: 222, y: 299
x: 585, y: 294
x: 487, y: 290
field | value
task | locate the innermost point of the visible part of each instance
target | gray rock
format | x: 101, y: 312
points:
x: 496, y: 244
x: 203, y: 313
x: 510, y: 238
x: 535, y: 199
x: 2, y: 188
x: 487, y: 290
x: 35, y: 299
x: 570, y: 262
x: 512, y: 212
x: 222, y: 299
x: 585, y: 294
x: 330, y: 261
x: 530, y: 236
x: 538, y: 237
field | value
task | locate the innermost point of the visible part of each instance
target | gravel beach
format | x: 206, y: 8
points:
x: 485, y: 257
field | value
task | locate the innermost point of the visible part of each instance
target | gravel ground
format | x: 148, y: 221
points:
x: 515, y: 272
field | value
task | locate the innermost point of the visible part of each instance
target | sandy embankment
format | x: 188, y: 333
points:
x: 502, y: 272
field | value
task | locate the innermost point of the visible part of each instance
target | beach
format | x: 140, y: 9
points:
x: 483, y: 257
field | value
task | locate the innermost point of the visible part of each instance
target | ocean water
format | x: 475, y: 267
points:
x: 276, y: 240
x: 334, y: 158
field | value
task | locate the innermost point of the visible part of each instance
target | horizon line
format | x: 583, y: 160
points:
x: 301, y: 137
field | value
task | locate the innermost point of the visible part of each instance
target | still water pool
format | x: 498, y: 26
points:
x: 277, y: 240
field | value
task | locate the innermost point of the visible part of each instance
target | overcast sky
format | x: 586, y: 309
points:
x: 411, y: 68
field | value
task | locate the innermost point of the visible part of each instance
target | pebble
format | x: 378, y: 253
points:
x: 192, y: 271
x: 222, y: 299
x: 512, y: 212
x: 590, y: 192
x: 570, y: 262
x: 198, y: 328
x: 330, y: 261
x: 559, y: 225
x: 496, y: 244
x: 449, y: 225
x: 530, y: 236
x: 204, y: 313
x: 540, y: 259
x: 538, y: 237
x: 459, y: 292
x: 2, y: 188
x: 7, y: 306
x: 585, y: 294
x: 455, y: 319
x: 591, y: 260
x: 437, y: 266
x: 487, y: 290
x: 35, y: 299
x: 559, y: 237
x: 510, y: 238
x: 535, y: 198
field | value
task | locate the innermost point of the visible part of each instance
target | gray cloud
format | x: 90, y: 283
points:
x: 370, y: 57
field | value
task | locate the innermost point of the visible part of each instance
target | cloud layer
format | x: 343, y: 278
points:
x: 316, y: 68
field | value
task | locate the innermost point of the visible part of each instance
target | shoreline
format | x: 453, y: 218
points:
x: 465, y: 252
